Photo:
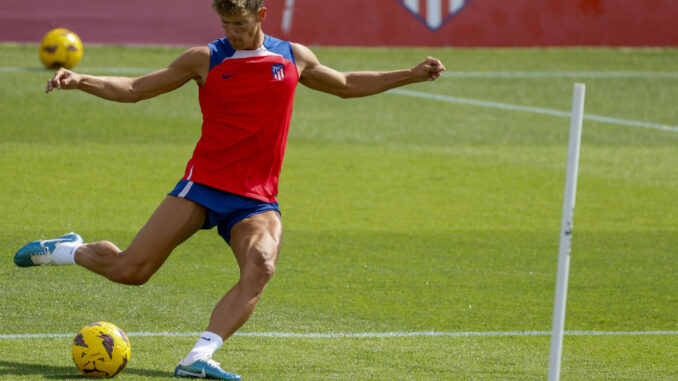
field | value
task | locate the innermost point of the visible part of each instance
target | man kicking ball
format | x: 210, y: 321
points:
x: 246, y: 84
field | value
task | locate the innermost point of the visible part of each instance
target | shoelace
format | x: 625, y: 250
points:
x: 47, y: 251
x: 212, y: 362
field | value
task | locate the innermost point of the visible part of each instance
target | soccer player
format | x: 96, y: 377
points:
x: 246, y: 86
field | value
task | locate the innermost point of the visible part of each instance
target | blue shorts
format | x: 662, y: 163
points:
x: 224, y: 209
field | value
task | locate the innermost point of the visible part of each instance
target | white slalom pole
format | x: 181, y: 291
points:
x: 566, y: 232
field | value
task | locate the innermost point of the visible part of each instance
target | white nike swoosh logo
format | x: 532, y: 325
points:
x: 58, y: 240
x: 186, y: 373
x: 46, y: 241
x: 45, y: 249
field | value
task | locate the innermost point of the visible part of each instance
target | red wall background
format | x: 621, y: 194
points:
x: 356, y: 22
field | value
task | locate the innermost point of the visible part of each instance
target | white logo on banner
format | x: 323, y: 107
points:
x: 434, y: 13
x: 287, y: 16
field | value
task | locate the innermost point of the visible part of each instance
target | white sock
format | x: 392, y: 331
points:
x: 207, y: 344
x: 64, y: 254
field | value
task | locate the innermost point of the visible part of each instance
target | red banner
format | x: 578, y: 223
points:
x: 460, y: 23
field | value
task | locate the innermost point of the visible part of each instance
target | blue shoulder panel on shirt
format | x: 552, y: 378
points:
x: 277, y: 46
x: 220, y: 50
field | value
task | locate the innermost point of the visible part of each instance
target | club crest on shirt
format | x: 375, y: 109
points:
x: 278, y: 71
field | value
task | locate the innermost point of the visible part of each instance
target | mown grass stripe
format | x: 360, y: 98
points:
x: 369, y: 335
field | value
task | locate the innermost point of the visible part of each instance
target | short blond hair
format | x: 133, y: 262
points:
x: 237, y: 7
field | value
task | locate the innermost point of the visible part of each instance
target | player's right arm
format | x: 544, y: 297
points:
x: 192, y: 64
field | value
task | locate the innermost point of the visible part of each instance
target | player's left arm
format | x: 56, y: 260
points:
x: 319, y: 77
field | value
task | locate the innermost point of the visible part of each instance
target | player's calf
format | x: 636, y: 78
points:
x: 123, y: 267
x: 130, y: 275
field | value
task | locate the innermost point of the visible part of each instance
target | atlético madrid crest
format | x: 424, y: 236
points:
x: 278, y: 71
x: 434, y: 13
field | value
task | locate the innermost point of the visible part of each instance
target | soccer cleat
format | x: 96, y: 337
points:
x: 207, y: 368
x: 39, y: 253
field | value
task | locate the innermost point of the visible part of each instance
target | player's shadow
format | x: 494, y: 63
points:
x: 64, y: 372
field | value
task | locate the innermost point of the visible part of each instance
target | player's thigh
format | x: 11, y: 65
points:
x: 257, y: 238
x: 174, y: 221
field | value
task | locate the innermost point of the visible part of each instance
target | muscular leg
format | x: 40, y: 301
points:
x: 174, y: 221
x: 256, y: 244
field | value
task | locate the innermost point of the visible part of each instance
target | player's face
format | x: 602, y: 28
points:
x: 244, y: 31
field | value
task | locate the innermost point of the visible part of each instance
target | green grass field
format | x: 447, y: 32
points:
x: 402, y: 214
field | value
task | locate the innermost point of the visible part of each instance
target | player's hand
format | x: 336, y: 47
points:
x: 63, y: 79
x: 428, y: 69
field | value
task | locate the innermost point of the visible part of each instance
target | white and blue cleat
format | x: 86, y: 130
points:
x: 208, y: 369
x: 39, y: 253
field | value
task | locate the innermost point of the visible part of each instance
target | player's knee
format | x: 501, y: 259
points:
x: 260, y: 268
x: 264, y: 270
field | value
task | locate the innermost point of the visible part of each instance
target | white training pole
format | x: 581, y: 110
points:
x: 566, y: 232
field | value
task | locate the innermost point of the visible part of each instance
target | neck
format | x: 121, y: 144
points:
x: 258, y: 41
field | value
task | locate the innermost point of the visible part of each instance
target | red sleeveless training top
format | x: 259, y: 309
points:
x: 246, y: 104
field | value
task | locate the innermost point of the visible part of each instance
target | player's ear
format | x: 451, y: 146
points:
x: 262, y: 13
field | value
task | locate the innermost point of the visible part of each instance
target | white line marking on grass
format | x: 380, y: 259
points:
x: 120, y: 70
x: 558, y: 74
x: 359, y: 334
x: 535, y: 110
x: 449, y: 334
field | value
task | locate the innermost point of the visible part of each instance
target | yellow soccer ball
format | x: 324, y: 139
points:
x: 101, y: 350
x: 60, y: 48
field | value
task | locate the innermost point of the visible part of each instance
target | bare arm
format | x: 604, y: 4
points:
x: 192, y: 64
x: 362, y: 83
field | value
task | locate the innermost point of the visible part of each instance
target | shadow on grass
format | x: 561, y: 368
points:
x: 9, y: 368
